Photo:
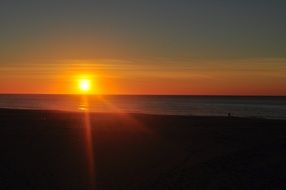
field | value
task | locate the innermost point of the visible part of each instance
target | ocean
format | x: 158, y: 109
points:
x: 242, y: 106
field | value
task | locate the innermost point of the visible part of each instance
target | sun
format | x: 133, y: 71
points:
x: 84, y: 85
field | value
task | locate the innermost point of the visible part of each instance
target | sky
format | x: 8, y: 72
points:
x: 202, y: 47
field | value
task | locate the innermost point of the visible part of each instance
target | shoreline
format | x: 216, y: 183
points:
x: 141, y: 114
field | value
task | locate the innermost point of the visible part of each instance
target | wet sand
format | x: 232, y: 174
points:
x: 48, y: 150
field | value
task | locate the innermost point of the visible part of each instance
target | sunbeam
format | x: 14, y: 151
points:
x: 88, y: 141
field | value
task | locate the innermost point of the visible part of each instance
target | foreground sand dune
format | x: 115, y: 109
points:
x: 47, y: 150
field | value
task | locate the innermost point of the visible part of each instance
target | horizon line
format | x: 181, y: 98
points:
x: 233, y: 95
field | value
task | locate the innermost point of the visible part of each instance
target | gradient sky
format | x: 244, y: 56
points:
x: 144, y: 47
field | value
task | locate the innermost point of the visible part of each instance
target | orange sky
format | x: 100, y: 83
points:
x: 148, y: 76
x: 144, y: 47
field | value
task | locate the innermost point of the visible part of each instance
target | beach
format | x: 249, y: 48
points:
x: 53, y: 150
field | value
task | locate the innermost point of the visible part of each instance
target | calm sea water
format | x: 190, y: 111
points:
x: 267, y: 107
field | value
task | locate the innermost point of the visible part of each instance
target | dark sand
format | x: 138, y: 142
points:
x: 47, y: 150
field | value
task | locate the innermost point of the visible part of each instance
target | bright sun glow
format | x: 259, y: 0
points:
x: 84, y: 85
